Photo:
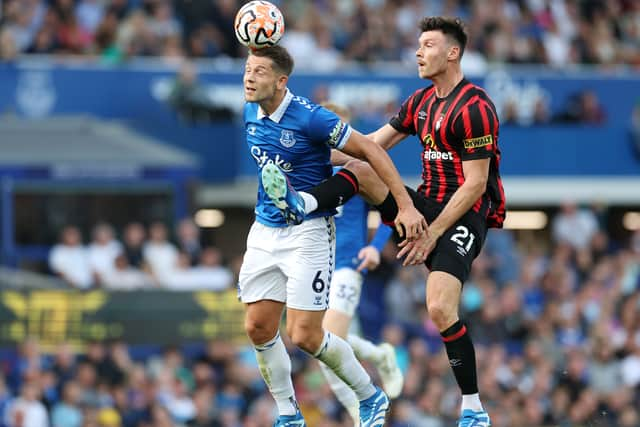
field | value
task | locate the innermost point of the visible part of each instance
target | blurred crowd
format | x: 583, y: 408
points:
x: 144, y: 259
x: 556, y: 323
x: 325, y: 34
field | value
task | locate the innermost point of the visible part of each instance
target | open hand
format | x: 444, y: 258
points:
x: 370, y: 258
x: 417, y: 251
x: 410, y: 223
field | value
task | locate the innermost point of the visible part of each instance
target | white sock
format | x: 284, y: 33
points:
x: 365, y: 350
x: 344, y: 394
x: 339, y: 357
x: 472, y: 401
x: 275, y: 367
x: 310, y: 202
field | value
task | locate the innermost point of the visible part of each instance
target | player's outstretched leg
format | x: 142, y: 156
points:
x: 282, y: 194
x: 383, y: 356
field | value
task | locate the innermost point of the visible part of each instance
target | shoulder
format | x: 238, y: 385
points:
x: 421, y: 93
x: 474, y: 101
x: 478, y: 95
x: 301, y: 110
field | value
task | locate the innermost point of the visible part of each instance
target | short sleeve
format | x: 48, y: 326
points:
x: 477, y: 127
x: 403, y: 121
x: 326, y: 127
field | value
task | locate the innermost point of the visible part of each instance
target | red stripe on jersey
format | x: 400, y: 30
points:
x: 466, y: 121
x: 426, y: 170
x: 500, y: 210
x: 406, y: 120
x: 442, y: 179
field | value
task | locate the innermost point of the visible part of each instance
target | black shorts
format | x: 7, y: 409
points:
x: 459, y: 245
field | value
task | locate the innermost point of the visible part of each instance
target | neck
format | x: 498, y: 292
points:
x: 446, y: 82
x: 270, y: 105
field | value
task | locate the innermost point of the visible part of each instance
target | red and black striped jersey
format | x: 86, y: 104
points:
x: 462, y: 126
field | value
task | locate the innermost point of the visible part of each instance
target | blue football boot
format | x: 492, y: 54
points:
x: 373, y: 410
x: 471, y: 418
x: 282, y: 194
x: 290, y: 421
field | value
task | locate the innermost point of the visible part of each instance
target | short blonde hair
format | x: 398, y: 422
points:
x: 341, y: 111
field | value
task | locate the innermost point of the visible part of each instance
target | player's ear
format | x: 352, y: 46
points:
x: 282, y: 81
x: 454, y: 52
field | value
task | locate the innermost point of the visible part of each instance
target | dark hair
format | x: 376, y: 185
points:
x: 452, y: 27
x: 282, y: 60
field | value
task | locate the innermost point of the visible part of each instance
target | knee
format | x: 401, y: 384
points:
x: 362, y: 170
x: 442, y: 314
x: 259, y: 332
x: 305, y: 337
x: 370, y: 186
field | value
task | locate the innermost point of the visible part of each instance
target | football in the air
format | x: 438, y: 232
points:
x: 259, y: 24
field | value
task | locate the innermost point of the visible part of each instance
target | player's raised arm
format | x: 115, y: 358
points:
x: 387, y: 136
x: 408, y: 220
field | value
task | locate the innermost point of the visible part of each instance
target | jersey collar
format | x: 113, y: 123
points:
x: 276, y: 116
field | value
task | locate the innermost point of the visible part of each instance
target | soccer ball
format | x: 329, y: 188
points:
x: 259, y: 24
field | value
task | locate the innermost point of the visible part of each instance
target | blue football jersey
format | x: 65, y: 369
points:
x: 298, y: 138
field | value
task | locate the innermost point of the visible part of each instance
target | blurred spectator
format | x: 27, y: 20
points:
x: 104, y: 366
x: 215, y: 276
x: 105, y: 38
x: 405, y: 295
x: 191, y: 100
x: 209, y: 274
x: 159, y: 253
x: 125, y: 277
x: 89, y: 14
x: 203, y: 401
x: 8, y: 51
x: 133, y: 242
x: 69, y: 259
x: 559, y: 33
x: 584, y: 108
x: 64, y: 363
x: 574, y: 226
x: 188, y: 235
x: 27, y: 410
x: 67, y: 413
x: 103, y: 250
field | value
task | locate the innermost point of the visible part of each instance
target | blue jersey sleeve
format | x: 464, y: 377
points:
x: 381, y: 237
x: 326, y: 127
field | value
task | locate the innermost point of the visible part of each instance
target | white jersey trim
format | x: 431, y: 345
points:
x: 277, y: 115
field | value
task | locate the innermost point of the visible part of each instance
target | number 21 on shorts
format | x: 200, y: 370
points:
x: 464, y: 239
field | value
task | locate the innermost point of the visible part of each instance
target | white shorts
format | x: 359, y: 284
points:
x: 346, y: 286
x: 289, y: 264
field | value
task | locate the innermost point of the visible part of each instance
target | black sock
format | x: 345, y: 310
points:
x: 462, y: 357
x: 336, y: 190
x: 388, y: 210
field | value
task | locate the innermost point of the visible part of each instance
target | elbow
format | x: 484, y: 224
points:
x: 477, y: 187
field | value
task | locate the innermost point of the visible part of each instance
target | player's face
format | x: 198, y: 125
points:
x: 260, y: 79
x: 432, y: 54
